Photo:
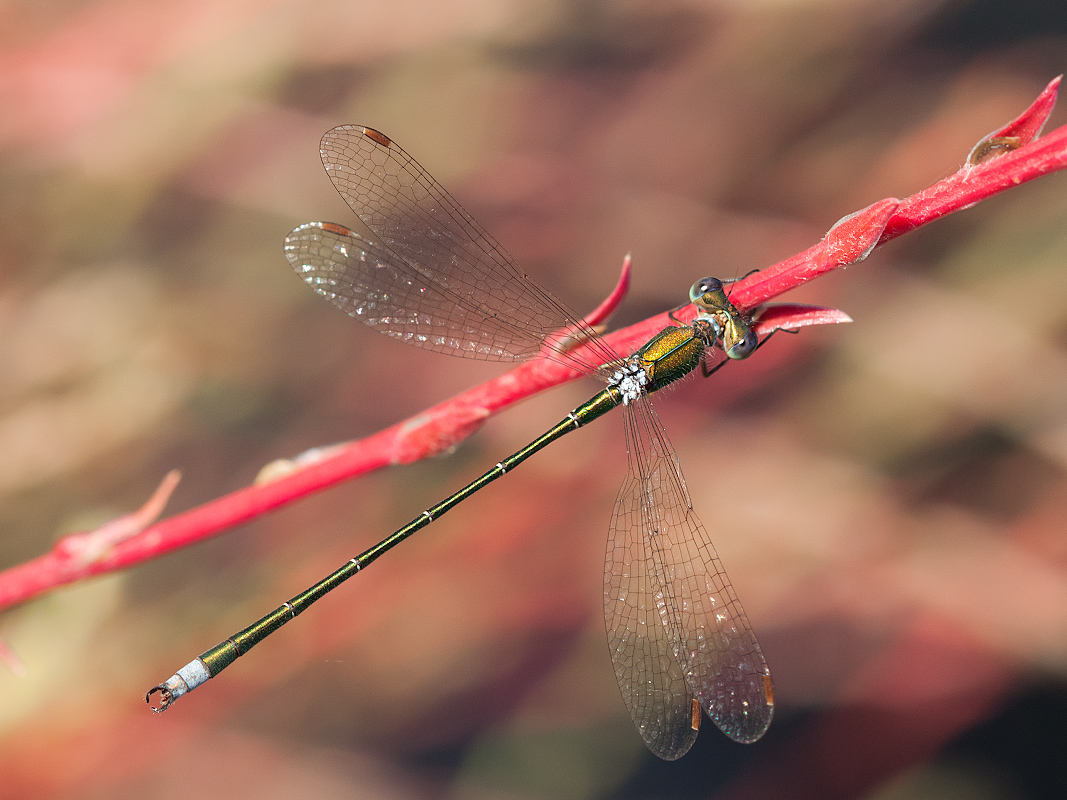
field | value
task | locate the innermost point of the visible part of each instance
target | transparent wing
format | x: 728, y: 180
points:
x: 481, y: 292
x: 641, y: 639
x: 369, y: 283
x: 675, y: 627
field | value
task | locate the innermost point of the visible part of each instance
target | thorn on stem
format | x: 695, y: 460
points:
x: 85, y: 548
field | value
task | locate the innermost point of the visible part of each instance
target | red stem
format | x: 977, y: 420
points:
x: 441, y: 426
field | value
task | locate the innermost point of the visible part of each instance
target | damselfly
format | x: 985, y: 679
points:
x: 679, y: 639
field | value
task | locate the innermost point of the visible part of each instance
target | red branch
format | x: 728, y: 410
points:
x: 1007, y: 157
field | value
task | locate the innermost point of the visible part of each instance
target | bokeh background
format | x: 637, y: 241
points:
x: 889, y: 497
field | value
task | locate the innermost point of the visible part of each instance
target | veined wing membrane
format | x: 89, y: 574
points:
x: 415, y: 218
x: 693, y: 624
x: 639, y: 616
x: 373, y: 285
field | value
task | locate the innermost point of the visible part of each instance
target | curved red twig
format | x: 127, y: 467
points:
x: 1016, y: 157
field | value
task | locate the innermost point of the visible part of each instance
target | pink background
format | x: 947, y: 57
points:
x: 889, y: 497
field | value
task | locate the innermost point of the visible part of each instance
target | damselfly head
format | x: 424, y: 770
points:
x: 738, y: 340
x: 703, y: 287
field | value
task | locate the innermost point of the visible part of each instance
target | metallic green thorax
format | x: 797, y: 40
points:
x: 671, y: 354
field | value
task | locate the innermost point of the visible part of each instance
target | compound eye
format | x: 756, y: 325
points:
x: 744, y: 348
x: 703, y: 286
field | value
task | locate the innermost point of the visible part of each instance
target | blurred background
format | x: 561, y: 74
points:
x: 889, y: 497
